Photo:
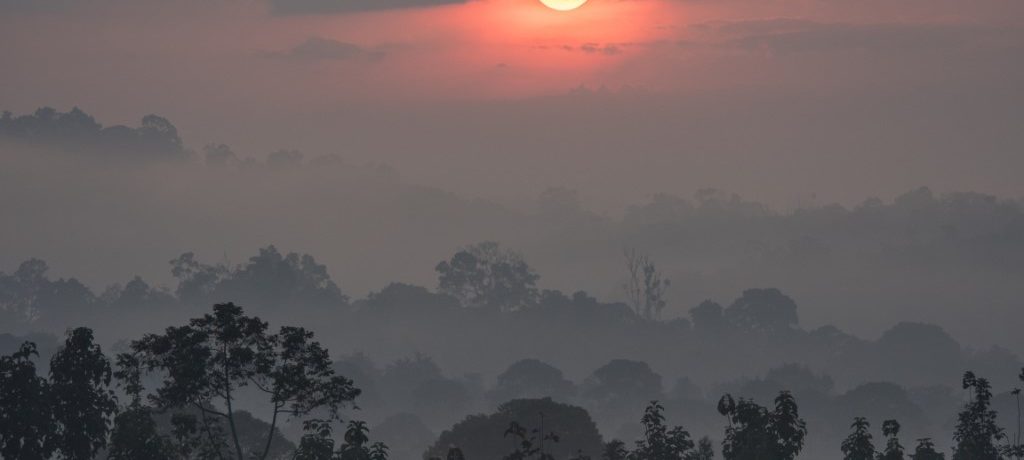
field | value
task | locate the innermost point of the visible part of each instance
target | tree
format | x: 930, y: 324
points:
x: 135, y: 434
x: 485, y: 275
x: 858, y: 446
x: 1015, y: 449
x: 977, y: 435
x: 531, y: 378
x: 756, y: 433
x: 529, y: 444
x: 645, y: 285
x: 659, y: 441
x: 454, y: 453
x: 317, y: 443
x: 26, y: 422
x: 357, y: 444
x: 268, y: 279
x: 926, y: 451
x: 29, y: 296
x: 206, y: 362
x: 82, y: 400
x: 405, y: 435
x: 135, y: 437
x: 482, y: 436
x: 614, y: 450
x: 160, y: 135
x: 705, y: 450
x: 621, y: 384
x: 708, y: 317
x: 196, y: 280
x: 766, y: 311
x: 893, y: 448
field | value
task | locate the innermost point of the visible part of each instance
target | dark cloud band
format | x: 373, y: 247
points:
x: 287, y: 7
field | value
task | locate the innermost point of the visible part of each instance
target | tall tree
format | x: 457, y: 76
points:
x: 485, y: 275
x: 207, y: 361
x: 893, y: 448
x: 135, y: 434
x: 756, y: 433
x: 858, y: 445
x: 977, y: 436
x: 135, y: 437
x: 26, y: 422
x: 83, y: 402
x: 645, y: 285
x: 925, y: 450
x: 661, y: 442
x: 1015, y: 449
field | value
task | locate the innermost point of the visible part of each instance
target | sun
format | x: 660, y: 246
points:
x: 563, y: 5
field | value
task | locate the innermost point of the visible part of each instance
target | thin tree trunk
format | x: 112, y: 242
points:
x: 209, y: 433
x: 227, y: 399
x: 270, y: 436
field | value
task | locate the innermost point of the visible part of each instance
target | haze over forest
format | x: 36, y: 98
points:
x: 781, y: 226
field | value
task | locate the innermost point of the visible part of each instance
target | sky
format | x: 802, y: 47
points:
x: 429, y: 125
x: 619, y: 99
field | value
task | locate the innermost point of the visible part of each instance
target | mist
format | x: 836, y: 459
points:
x: 481, y: 230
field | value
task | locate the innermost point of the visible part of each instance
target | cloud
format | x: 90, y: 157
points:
x: 789, y: 35
x: 319, y: 48
x: 295, y: 7
x: 596, y: 48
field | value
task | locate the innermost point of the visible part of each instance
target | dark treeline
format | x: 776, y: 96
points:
x: 188, y: 391
x: 487, y: 321
x: 78, y: 130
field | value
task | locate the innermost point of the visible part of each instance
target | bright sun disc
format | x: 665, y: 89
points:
x: 563, y: 5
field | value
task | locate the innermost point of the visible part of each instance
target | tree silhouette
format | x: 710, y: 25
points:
x: 645, y: 285
x: 766, y: 311
x: 977, y: 434
x: 705, y: 450
x: 532, y: 378
x: 357, y: 444
x: 755, y: 433
x: 893, y: 448
x: 858, y: 446
x: 268, y: 279
x: 708, y: 317
x: 926, y: 451
x: 529, y: 444
x: 206, y: 362
x: 81, y: 398
x: 620, y: 385
x: 1015, y: 449
x: 316, y: 443
x: 485, y: 275
x: 26, y: 422
x: 483, y: 436
x: 659, y: 441
x: 454, y: 453
x: 135, y: 437
x: 614, y: 450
